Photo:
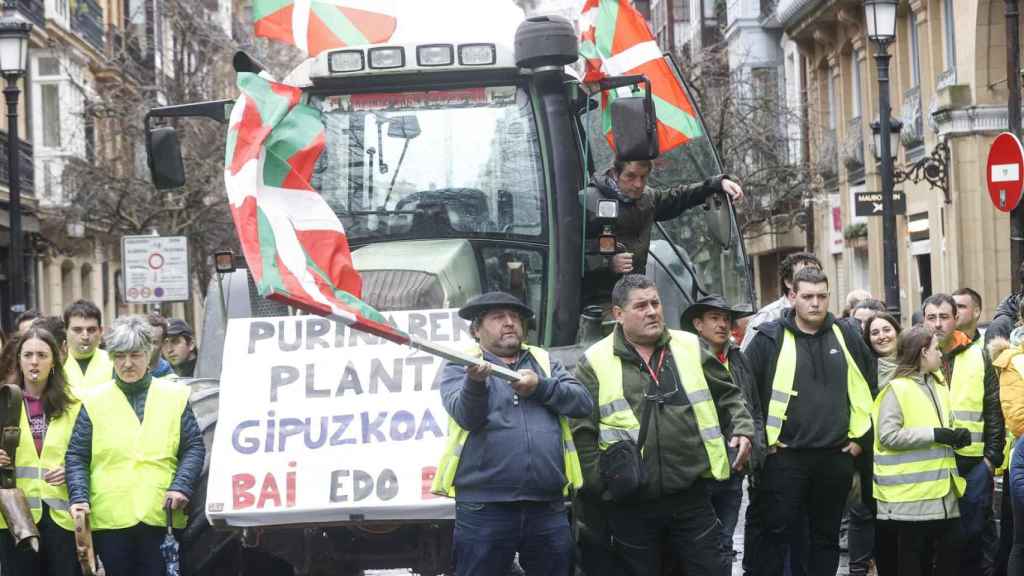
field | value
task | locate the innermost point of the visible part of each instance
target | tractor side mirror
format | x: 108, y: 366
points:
x: 165, y: 165
x: 635, y: 128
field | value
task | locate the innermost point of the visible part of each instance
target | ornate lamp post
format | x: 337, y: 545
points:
x: 14, y: 34
x: 880, y: 16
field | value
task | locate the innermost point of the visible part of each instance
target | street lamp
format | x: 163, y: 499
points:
x: 895, y: 127
x: 880, y: 17
x: 14, y: 34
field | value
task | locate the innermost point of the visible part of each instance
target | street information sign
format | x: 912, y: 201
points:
x: 1003, y: 176
x: 156, y: 269
x: 320, y: 423
x: 870, y: 203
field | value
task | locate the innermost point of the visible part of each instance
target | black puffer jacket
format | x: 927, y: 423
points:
x: 191, y: 450
x: 1004, y: 319
x: 743, y: 377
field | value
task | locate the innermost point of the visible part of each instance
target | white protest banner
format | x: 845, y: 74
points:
x: 319, y: 423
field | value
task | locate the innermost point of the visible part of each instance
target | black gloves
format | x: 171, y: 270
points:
x: 956, y: 438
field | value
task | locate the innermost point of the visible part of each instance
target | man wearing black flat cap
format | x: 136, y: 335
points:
x: 712, y: 318
x: 510, y: 462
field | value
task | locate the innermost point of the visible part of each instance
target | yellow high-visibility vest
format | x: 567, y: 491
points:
x: 618, y: 422
x: 444, y: 479
x: 29, y: 467
x: 967, y: 394
x: 857, y: 389
x: 920, y: 473
x: 99, y: 371
x: 133, y: 463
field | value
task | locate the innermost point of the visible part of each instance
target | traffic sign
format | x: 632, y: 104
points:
x: 156, y: 269
x: 1003, y: 175
x: 870, y: 203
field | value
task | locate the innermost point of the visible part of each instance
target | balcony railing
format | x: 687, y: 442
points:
x: 34, y: 10
x: 87, y: 22
x: 124, y: 49
x: 27, y: 166
x: 853, y: 146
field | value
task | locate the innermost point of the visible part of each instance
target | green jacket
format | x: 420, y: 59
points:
x: 674, y: 451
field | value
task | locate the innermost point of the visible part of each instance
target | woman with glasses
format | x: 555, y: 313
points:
x: 47, y: 417
x: 916, y: 483
x: 135, y: 451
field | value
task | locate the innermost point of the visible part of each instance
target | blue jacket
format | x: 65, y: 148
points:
x: 78, y: 460
x: 163, y: 368
x: 1017, y: 476
x: 514, y: 449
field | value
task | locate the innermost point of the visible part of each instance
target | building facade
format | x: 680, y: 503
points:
x: 88, y: 49
x: 947, y: 74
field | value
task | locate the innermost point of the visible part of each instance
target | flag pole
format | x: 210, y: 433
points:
x: 462, y: 359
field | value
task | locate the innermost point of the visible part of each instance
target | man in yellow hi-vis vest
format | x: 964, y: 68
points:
x: 815, y: 377
x: 510, y: 463
x: 135, y: 450
x: 974, y: 395
x: 685, y: 444
x: 87, y: 366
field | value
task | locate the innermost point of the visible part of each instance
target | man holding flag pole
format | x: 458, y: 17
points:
x: 510, y: 462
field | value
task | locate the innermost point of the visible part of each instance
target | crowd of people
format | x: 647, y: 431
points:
x: 833, y: 422
x: 107, y: 431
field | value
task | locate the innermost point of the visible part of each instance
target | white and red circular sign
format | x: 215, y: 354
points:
x: 1004, y: 172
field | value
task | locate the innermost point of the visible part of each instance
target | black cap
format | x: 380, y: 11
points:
x: 178, y: 327
x: 710, y: 302
x: 477, y: 305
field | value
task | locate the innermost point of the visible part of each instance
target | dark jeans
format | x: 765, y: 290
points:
x: 56, y: 552
x: 751, y: 527
x: 975, y: 512
x: 686, y: 519
x: 929, y: 548
x: 488, y: 535
x: 795, y: 552
x: 595, y: 552
x: 797, y: 484
x: 134, y: 550
x: 726, y: 498
x: 998, y: 554
x: 860, y: 538
x: 886, y: 548
x: 1016, y: 564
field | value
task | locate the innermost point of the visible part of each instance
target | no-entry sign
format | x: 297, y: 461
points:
x: 1005, y: 170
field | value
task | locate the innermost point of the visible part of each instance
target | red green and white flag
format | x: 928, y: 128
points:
x: 317, y: 25
x: 615, y: 41
x: 294, y: 244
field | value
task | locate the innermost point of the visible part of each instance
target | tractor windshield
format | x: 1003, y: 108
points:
x: 438, y: 164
